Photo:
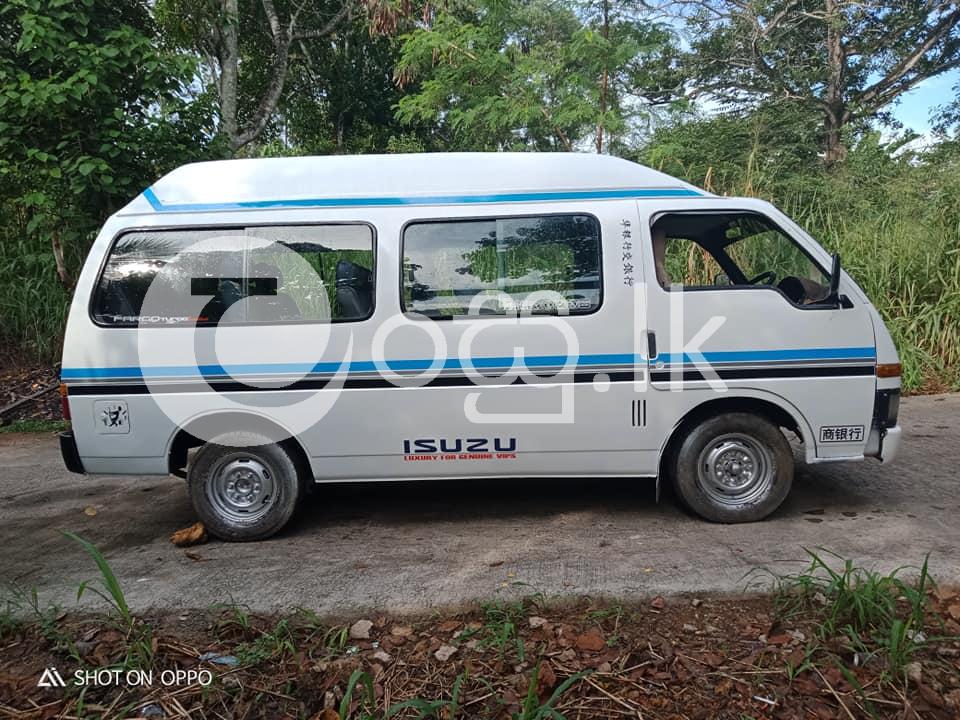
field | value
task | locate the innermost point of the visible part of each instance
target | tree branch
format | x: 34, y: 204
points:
x: 940, y: 31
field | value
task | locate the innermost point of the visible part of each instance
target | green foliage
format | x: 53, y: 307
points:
x: 880, y: 615
x: 111, y: 590
x: 533, y: 709
x: 737, y: 152
x: 272, y: 645
x: 34, y: 426
x: 510, y: 75
x: 138, y: 636
x: 91, y: 110
x: 500, y: 627
x: 842, y: 61
x: 422, y: 709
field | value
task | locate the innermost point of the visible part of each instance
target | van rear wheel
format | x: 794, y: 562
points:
x: 733, y: 467
x: 243, y: 486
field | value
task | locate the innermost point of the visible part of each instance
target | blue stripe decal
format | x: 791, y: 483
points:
x: 742, y: 356
x: 484, y: 363
x: 393, y: 201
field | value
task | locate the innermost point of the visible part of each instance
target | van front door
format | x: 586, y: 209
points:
x: 741, y: 307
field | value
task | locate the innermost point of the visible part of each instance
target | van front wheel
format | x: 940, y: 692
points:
x: 734, y: 467
x: 243, y: 487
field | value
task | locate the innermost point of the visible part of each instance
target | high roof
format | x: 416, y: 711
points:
x: 421, y: 179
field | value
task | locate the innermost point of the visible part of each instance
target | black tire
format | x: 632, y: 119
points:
x: 733, y: 468
x: 264, y: 474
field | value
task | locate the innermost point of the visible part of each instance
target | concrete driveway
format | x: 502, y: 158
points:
x: 403, y: 547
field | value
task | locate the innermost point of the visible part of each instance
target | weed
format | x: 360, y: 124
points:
x: 532, y: 709
x: 10, y: 623
x: 500, y: 626
x: 879, y: 615
x: 232, y: 616
x: 806, y: 663
x: 112, y: 592
x: 335, y: 638
x: 139, y: 640
x: 269, y: 646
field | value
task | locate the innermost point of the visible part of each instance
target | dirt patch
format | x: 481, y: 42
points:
x: 19, y: 381
x: 682, y: 657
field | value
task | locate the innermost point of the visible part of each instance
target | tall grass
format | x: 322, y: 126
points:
x: 33, y: 303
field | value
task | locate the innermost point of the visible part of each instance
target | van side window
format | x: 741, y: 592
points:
x: 545, y: 265
x: 324, y: 273
x: 307, y: 273
x: 738, y: 250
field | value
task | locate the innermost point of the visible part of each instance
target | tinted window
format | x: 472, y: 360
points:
x: 531, y: 265
x: 283, y: 274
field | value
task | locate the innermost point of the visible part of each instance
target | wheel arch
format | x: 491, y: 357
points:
x: 772, y: 407
x: 211, y: 424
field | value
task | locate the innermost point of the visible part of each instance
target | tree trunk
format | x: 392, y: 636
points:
x: 62, y: 272
x: 229, y: 62
x: 835, y: 115
x: 834, y: 149
x: 605, y: 80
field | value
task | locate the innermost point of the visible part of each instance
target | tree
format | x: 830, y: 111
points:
x: 341, y: 96
x: 846, y: 61
x: 508, y: 74
x: 247, y: 50
x: 91, y: 109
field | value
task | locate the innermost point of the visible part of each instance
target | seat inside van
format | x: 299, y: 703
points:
x: 354, y: 290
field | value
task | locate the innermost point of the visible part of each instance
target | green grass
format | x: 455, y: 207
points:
x: 500, y: 627
x: 878, y: 617
x: 138, y: 635
x: 34, y: 426
x: 276, y: 643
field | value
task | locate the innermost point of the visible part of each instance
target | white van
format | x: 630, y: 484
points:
x: 262, y: 326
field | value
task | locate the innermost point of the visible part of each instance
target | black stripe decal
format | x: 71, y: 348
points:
x: 225, y: 386
x: 750, y: 373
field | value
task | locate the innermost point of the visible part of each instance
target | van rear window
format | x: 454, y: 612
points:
x: 546, y: 265
x: 275, y: 274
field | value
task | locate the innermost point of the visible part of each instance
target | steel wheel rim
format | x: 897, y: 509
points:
x: 242, y: 488
x: 734, y: 469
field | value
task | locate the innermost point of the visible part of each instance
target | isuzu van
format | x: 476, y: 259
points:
x: 260, y: 327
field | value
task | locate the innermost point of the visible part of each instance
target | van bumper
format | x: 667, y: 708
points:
x: 883, y: 443
x: 69, y: 452
x: 884, y: 439
x: 890, y: 444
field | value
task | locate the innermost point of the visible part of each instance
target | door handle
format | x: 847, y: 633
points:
x: 651, y: 345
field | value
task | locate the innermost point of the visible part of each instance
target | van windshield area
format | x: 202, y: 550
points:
x: 697, y: 250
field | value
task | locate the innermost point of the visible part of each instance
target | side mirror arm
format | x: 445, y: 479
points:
x: 833, y: 296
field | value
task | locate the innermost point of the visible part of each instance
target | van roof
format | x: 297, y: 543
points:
x: 409, y: 179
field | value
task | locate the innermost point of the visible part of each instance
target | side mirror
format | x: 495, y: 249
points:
x: 833, y: 297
